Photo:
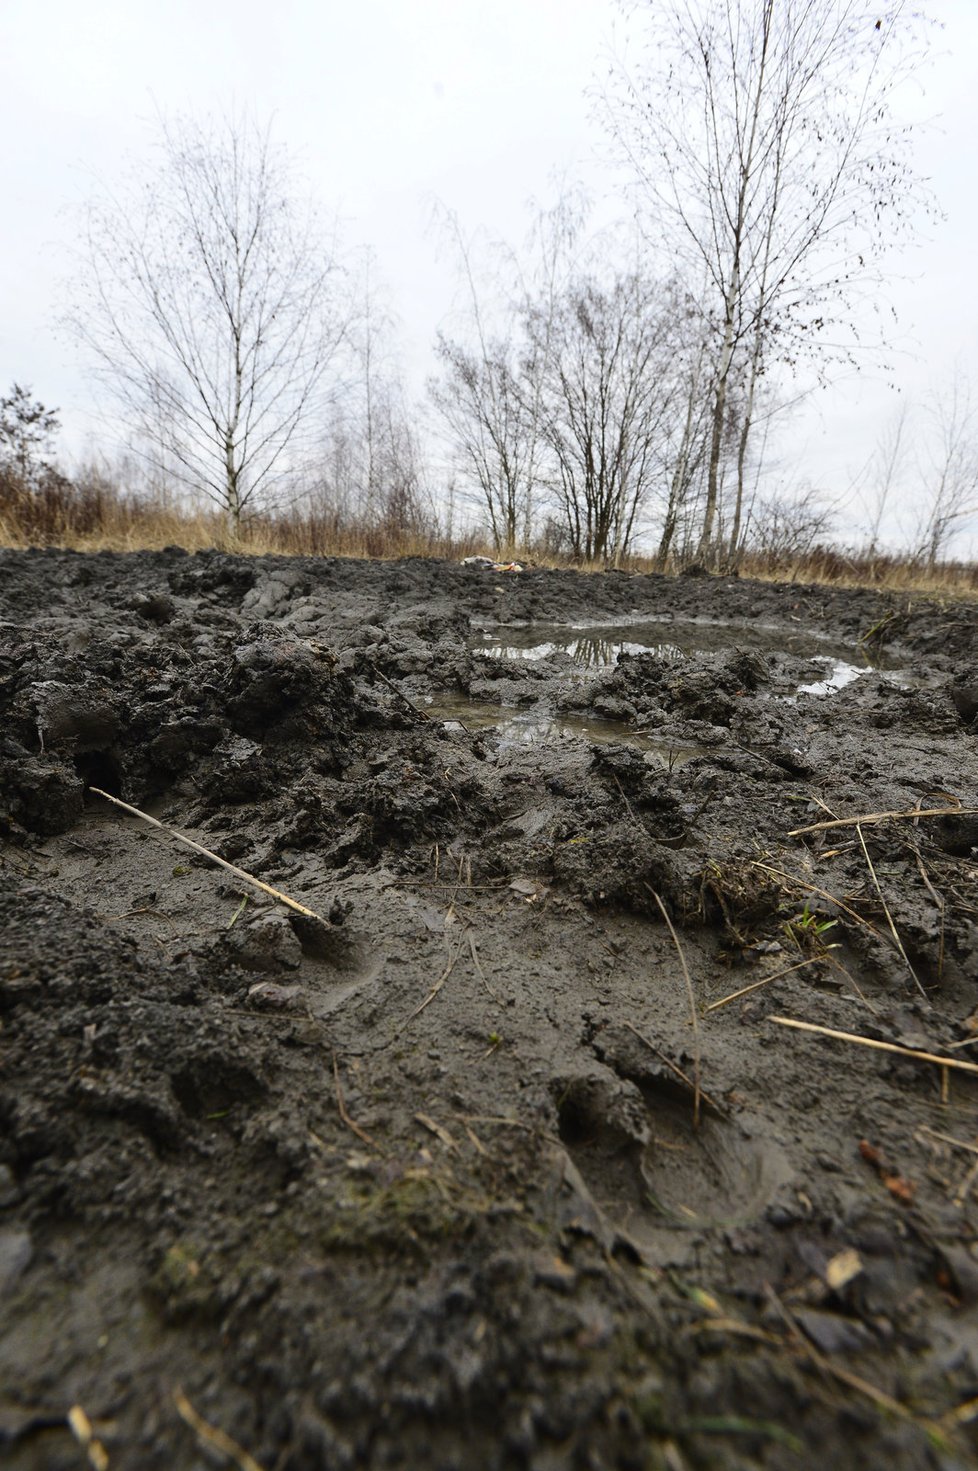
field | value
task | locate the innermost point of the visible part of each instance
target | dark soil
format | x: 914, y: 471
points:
x: 420, y: 1182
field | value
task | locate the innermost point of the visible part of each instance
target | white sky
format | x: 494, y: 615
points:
x: 387, y: 104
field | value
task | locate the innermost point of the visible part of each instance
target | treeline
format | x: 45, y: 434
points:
x: 599, y: 393
x: 97, y: 509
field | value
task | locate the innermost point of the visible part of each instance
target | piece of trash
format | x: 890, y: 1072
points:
x: 491, y: 566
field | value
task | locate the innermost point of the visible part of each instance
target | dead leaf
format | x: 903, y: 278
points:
x: 900, y: 1188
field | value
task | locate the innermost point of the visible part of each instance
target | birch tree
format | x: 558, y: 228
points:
x: 763, y: 138
x: 488, y: 390
x: 210, y: 302
x: 948, y: 497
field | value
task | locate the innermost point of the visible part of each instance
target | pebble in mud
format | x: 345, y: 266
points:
x: 16, y: 1255
x: 266, y: 943
x: 273, y: 996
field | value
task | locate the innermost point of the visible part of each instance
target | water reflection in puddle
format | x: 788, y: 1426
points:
x: 840, y: 674
x: 590, y: 650
x: 599, y: 646
x: 531, y: 727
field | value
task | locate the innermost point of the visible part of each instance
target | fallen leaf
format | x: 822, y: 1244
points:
x: 900, y: 1188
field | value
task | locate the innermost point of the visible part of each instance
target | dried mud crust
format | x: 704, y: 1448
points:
x: 419, y: 1182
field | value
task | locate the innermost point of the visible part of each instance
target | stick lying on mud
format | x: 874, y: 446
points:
x: 821, y: 827
x: 691, y: 996
x: 239, y: 873
x: 952, y: 1062
x: 213, y: 1435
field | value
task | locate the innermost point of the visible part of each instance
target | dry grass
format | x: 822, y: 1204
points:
x: 94, y: 514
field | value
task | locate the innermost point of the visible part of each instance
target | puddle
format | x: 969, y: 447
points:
x: 840, y: 675
x: 531, y: 727
x: 600, y: 645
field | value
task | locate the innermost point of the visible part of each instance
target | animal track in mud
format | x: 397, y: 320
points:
x: 650, y: 1171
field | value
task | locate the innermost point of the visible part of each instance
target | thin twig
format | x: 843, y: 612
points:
x: 941, y: 909
x: 962, y: 1415
x: 478, y: 965
x: 692, y: 1006
x: 948, y: 1139
x: 821, y: 827
x: 886, y: 911
x: 945, y: 1062
x: 452, y: 962
x: 211, y: 1435
x: 341, y: 1105
x: 862, y: 1386
x: 213, y: 858
x: 675, y: 1068
x: 966, y: 1186
x: 764, y: 981
x: 422, y: 714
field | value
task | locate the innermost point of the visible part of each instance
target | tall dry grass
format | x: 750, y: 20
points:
x: 93, y: 514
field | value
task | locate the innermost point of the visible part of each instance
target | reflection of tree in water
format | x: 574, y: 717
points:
x: 591, y: 650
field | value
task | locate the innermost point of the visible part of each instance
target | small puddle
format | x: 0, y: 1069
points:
x: 840, y: 675
x: 534, y: 726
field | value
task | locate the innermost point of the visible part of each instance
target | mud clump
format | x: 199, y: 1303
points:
x: 406, y: 1171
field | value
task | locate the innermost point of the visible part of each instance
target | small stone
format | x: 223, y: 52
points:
x: 272, y: 996
x: 269, y: 943
x: 553, y: 1271
x: 16, y: 1255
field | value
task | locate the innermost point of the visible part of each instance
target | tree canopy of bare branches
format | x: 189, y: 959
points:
x: 602, y: 358
x: 211, y: 303
x: 762, y: 136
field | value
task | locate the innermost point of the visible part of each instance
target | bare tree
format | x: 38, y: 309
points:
x: 488, y: 393
x: 607, y: 399
x: 209, y: 300
x: 687, y: 430
x: 762, y: 136
x: 489, y: 428
x: 882, y: 472
x: 950, y: 480
x: 789, y: 526
x: 368, y: 467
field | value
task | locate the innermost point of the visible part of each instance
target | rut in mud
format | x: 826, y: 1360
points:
x: 419, y: 1178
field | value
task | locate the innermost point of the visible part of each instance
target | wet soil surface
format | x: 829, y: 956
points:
x: 421, y: 1179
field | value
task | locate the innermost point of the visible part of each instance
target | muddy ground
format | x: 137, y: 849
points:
x: 420, y: 1182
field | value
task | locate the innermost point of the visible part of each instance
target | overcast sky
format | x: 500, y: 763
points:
x: 388, y: 105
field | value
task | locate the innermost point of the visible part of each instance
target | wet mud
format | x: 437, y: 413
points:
x: 494, y: 1157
